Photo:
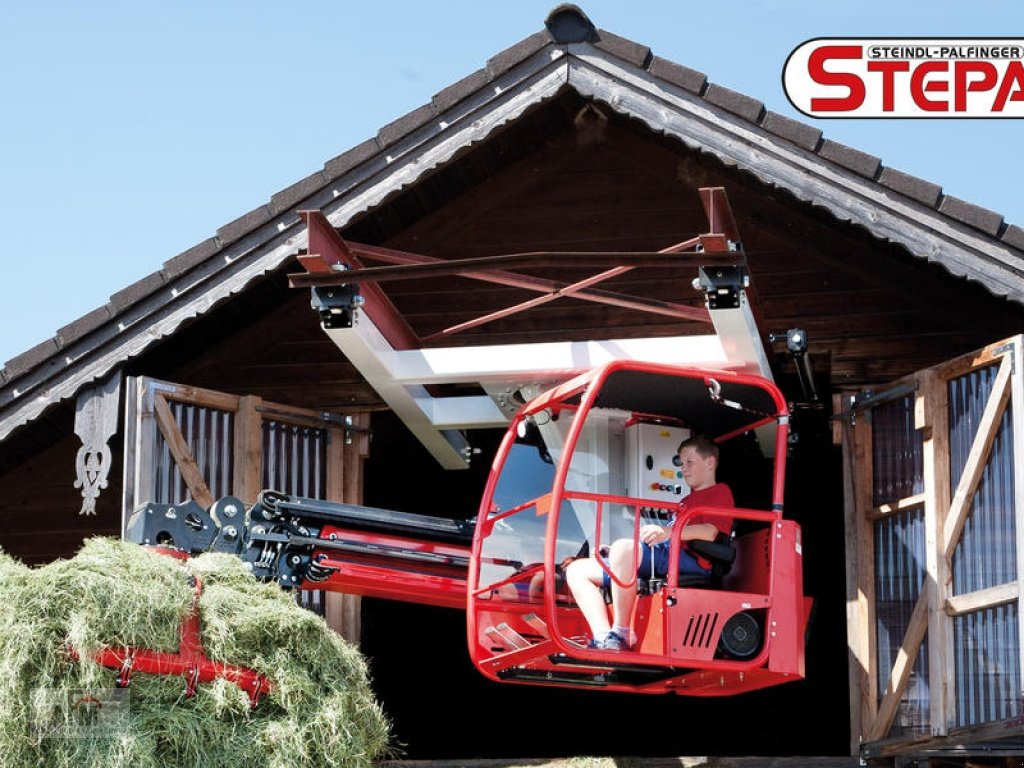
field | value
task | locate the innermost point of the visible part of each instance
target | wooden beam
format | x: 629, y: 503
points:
x: 180, y: 451
x: 865, y: 533
x: 1001, y: 738
x: 355, y: 453
x: 978, y: 457
x: 130, y: 444
x: 839, y: 401
x: 931, y: 416
x: 208, y: 398
x: 904, y: 665
x: 344, y: 483
x: 957, y: 605
x: 991, y: 354
x: 353, y: 456
x: 335, y: 464
x: 898, y: 505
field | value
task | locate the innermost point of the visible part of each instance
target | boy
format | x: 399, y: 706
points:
x: 698, y: 460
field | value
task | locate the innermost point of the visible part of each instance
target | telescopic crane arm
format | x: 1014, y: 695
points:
x: 304, y: 543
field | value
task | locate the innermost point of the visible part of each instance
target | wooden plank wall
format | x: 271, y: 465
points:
x: 39, y: 505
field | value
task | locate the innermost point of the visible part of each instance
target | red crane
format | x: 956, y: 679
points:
x: 583, y: 464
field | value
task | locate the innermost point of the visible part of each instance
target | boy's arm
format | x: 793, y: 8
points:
x: 655, y: 534
x: 705, y: 531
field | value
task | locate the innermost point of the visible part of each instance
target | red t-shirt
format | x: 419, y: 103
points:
x: 717, y: 495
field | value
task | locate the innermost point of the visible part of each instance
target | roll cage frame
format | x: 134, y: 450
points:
x: 540, y: 639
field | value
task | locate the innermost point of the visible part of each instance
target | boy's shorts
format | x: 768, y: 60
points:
x: 658, y: 554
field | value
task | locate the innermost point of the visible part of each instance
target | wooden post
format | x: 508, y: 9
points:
x: 932, y: 417
x: 129, y: 468
x: 143, y: 459
x: 343, y: 613
x: 248, y: 450
x: 860, y: 592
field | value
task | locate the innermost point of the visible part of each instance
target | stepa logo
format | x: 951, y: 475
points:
x: 907, y: 77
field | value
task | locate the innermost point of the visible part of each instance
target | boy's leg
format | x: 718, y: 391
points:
x: 625, y: 562
x: 584, y: 578
x: 688, y: 564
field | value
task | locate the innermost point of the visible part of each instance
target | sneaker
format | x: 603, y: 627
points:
x: 612, y: 641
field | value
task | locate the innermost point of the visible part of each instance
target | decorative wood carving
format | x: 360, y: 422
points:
x: 95, y: 423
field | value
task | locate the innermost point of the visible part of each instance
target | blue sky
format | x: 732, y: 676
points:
x: 131, y: 131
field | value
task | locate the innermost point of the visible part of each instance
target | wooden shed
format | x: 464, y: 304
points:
x: 213, y: 376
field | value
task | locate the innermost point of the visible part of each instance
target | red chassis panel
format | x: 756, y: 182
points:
x: 678, y: 631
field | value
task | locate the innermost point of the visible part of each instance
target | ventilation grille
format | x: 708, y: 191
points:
x: 700, y: 630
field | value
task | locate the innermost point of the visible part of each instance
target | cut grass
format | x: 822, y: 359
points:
x: 320, y: 711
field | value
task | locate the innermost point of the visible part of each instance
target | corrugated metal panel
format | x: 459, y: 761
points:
x: 987, y: 642
x: 897, y: 451
x: 988, y: 681
x: 986, y: 554
x: 899, y: 574
x: 295, y: 459
x: 209, y: 435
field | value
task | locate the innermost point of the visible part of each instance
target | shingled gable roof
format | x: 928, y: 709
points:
x: 669, y: 98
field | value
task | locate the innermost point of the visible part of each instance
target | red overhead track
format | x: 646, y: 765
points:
x: 330, y: 260
x: 514, y: 280
x: 328, y: 255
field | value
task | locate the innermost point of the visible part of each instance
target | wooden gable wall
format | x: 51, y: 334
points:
x: 568, y: 175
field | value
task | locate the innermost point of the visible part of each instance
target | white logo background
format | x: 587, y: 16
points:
x: 907, y: 77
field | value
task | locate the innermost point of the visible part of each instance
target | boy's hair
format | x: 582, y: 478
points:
x: 704, y: 446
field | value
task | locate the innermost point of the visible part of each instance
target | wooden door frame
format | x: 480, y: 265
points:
x: 872, y: 715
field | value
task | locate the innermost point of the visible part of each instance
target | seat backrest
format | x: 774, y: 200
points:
x: 721, y: 553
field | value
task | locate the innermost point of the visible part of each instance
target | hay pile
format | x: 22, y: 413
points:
x: 56, y: 711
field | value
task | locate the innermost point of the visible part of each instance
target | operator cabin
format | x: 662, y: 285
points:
x: 537, y: 201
